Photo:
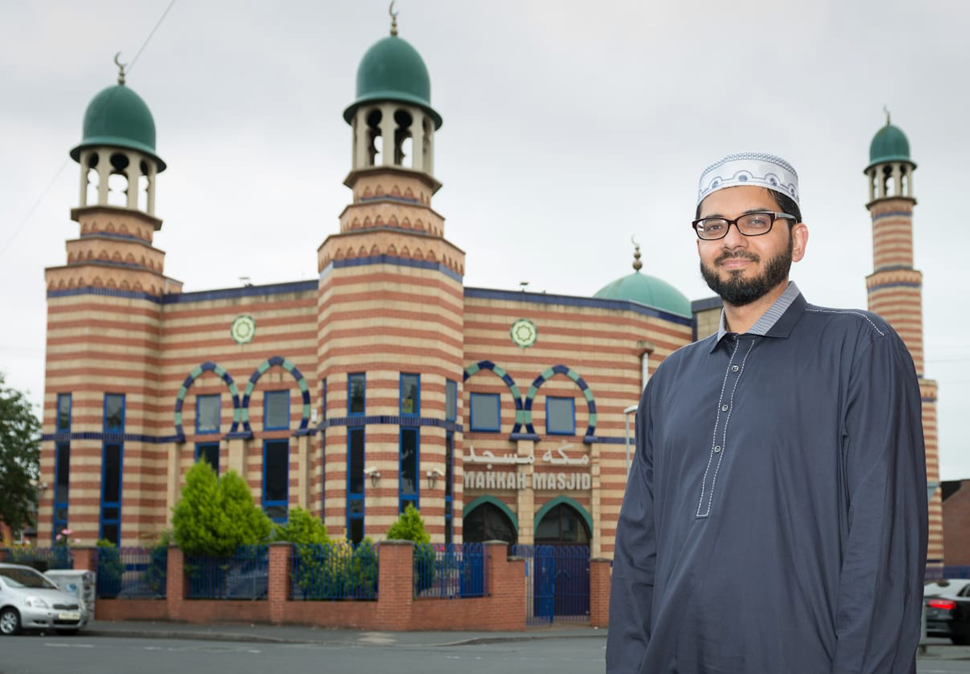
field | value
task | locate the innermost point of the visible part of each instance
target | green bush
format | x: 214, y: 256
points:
x: 110, y: 569
x: 156, y: 573
x: 410, y: 527
x: 217, y: 515
x: 302, y: 528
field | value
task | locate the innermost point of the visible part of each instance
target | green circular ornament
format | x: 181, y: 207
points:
x: 524, y: 333
x: 243, y: 329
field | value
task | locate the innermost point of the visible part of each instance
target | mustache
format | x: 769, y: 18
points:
x: 736, y: 254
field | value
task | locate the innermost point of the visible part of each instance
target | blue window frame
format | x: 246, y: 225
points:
x: 114, y: 413
x: 355, y: 485
x: 64, y: 413
x: 356, y: 394
x: 560, y: 416
x: 276, y: 410
x: 323, y: 397
x: 410, y: 391
x: 449, y: 486
x: 409, y: 477
x: 112, y: 469
x: 209, y: 452
x: 451, y: 400
x: 485, y: 414
x: 112, y: 462
x: 62, y: 482
x: 276, y: 479
x: 208, y: 410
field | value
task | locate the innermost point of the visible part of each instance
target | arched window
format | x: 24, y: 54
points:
x: 562, y: 526
x: 487, y: 522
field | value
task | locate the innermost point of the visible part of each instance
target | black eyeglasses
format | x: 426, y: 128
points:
x: 749, y: 224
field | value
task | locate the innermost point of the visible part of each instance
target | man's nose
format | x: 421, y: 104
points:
x: 734, y: 238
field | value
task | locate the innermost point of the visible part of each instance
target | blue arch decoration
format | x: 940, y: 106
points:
x: 470, y: 507
x: 208, y: 366
x: 504, y: 376
x: 260, y: 371
x: 580, y: 382
x: 572, y: 504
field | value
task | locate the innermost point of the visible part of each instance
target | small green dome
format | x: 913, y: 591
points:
x: 118, y: 117
x: 393, y: 70
x: 888, y: 145
x: 648, y: 290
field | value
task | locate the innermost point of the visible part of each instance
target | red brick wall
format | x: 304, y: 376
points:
x: 395, y: 609
x: 600, y: 572
x: 956, y: 527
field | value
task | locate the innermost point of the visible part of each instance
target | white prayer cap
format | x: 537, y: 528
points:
x: 749, y: 168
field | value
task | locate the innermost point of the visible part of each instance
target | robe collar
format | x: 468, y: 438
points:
x: 777, y: 321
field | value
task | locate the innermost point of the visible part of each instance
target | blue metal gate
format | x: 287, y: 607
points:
x: 557, y: 582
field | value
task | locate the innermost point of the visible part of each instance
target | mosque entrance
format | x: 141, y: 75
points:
x: 487, y: 522
x: 559, y: 567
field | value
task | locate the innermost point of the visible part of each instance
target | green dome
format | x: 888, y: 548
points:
x: 648, y: 290
x: 118, y: 117
x: 393, y: 70
x: 889, y: 144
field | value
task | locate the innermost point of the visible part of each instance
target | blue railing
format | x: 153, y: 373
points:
x: 333, y: 571
x: 242, y: 575
x: 450, y: 570
x: 132, y: 573
x: 557, y: 582
x: 42, y: 559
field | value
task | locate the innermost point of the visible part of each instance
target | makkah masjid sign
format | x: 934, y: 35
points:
x: 490, y: 479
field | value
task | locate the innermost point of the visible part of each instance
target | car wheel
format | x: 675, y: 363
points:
x: 961, y: 639
x: 9, y: 622
x: 67, y: 633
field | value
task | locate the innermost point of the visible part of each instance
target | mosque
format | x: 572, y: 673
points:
x: 385, y: 382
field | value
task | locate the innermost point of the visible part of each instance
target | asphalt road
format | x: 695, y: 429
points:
x: 85, y: 654
x: 35, y: 654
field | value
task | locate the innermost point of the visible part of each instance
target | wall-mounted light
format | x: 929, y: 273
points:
x: 374, y: 474
x: 433, y: 475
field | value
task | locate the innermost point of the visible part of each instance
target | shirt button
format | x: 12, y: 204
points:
x: 734, y: 368
x: 717, y: 448
x: 724, y: 408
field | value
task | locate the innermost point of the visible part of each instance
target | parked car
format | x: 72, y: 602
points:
x: 948, y: 610
x: 29, y: 600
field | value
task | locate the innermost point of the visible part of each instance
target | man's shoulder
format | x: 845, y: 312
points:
x: 686, y: 353
x: 860, y: 324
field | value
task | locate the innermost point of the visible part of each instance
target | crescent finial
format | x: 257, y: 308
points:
x: 886, y: 110
x: 390, y: 10
x: 121, y: 68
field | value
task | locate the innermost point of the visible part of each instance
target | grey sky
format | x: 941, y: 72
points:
x: 568, y: 127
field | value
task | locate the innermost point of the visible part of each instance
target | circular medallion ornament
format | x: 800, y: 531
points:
x: 524, y: 333
x: 243, y: 329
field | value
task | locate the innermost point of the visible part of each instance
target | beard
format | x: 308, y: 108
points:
x: 739, y: 291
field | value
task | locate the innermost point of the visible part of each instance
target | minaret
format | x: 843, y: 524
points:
x: 103, y: 330
x: 391, y: 315
x: 895, y: 288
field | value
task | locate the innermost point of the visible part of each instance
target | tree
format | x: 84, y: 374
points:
x: 19, y: 458
x: 215, y: 516
x: 409, y: 527
x: 302, y: 528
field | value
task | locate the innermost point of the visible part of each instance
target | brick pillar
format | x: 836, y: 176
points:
x: 85, y: 558
x: 600, y: 571
x: 395, y: 584
x: 506, y: 588
x: 175, y: 584
x: 279, y: 580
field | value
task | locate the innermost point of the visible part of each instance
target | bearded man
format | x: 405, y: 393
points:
x: 775, y: 517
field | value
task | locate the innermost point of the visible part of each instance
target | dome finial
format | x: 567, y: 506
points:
x: 886, y: 110
x: 121, y: 69
x: 637, y: 265
x: 390, y: 10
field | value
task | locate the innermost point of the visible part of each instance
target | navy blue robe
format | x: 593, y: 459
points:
x: 775, y: 517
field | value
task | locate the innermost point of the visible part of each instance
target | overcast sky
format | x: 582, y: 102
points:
x: 568, y: 128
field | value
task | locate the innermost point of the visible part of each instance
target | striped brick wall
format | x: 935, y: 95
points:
x: 604, y: 347
x: 895, y: 292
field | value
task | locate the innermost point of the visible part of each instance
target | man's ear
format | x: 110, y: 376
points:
x: 799, y: 234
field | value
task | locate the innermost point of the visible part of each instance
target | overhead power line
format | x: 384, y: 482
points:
x: 43, y: 194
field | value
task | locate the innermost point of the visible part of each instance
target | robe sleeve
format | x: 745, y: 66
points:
x: 885, y: 532
x: 634, y: 557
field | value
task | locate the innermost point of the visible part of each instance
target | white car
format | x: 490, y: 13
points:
x: 28, y: 600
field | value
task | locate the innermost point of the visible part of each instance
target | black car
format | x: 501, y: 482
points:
x: 948, y: 611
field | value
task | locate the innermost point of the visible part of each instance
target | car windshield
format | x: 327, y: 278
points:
x: 26, y: 578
